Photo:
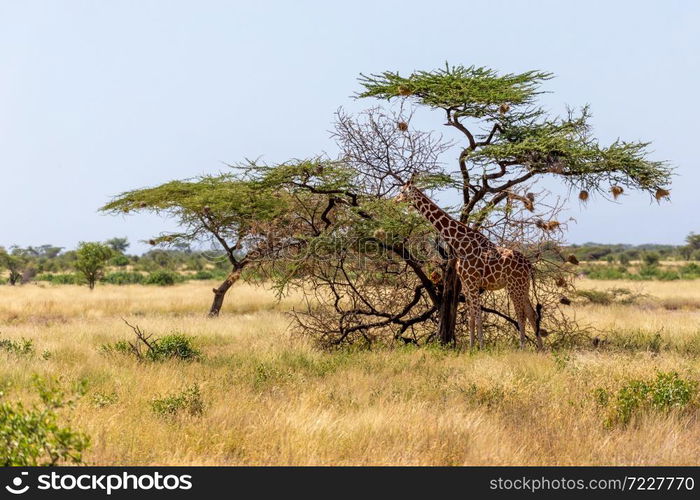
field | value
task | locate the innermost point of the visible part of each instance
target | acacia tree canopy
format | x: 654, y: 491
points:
x: 520, y: 140
x: 245, y: 219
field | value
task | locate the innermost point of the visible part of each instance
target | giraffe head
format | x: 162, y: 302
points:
x: 405, y: 191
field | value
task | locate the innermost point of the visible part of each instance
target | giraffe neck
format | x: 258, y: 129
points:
x: 457, y: 235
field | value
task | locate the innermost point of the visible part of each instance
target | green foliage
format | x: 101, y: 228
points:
x: 103, y: 399
x: 118, y: 245
x: 124, y: 278
x: 59, y: 279
x: 32, y: 436
x: 651, y: 259
x: 173, y: 346
x: 529, y: 141
x: 189, y: 401
x: 473, y: 91
x: 163, y: 278
x: 119, y: 261
x: 666, y: 392
x: 22, y: 347
x: 222, y: 205
x: 607, y: 297
x: 91, y: 261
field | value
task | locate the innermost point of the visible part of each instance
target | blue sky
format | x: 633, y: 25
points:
x: 101, y: 97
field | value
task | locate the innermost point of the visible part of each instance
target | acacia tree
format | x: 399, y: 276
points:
x: 14, y: 262
x: 91, y: 261
x: 507, y: 144
x: 244, y: 220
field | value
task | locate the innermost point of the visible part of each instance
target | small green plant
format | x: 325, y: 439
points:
x: 189, y: 401
x: 123, y: 278
x: 146, y: 348
x: 163, y: 277
x: 32, y: 436
x: 666, y: 392
x: 102, y: 399
x: 22, y: 347
x: 623, y: 296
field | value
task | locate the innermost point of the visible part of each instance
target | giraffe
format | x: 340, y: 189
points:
x: 481, y: 265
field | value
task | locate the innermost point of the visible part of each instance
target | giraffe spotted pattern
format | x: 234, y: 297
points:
x: 481, y: 265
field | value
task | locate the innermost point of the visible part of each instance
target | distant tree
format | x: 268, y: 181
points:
x: 651, y: 259
x: 244, y: 220
x: 624, y: 259
x: 692, y: 245
x: 14, y: 262
x: 118, y: 245
x: 92, y: 261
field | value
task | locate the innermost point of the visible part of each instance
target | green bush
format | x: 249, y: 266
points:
x: 17, y: 347
x: 607, y: 297
x: 119, y: 261
x: 163, y: 277
x: 188, y: 400
x: 651, y: 259
x: 59, y: 279
x: 666, y: 392
x: 124, y: 278
x: 32, y: 436
x: 173, y: 346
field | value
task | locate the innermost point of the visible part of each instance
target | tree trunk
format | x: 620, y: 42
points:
x: 220, y: 292
x: 448, y: 307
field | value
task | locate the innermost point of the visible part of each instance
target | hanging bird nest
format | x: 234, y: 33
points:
x: 404, y: 91
x: 152, y: 242
x: 583, y: 195
x: 661, y: 193
x: 403, y: 126
x: 616, y: 191
x: 503, y: 108
x: 560, y: 282
x: 525, y: 200
x: 571, y: 259
x: 547, y: 225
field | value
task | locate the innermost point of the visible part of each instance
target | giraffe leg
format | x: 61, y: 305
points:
x: 479, y: 324
x: 519, y: 306
x: 472, y: 324
x: 529, y: 312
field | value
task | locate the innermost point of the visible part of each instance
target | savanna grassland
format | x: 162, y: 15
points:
x: 258, y: 395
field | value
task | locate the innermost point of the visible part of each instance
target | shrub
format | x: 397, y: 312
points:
x: 101, y: 399
x: 145, y: 348
x: 607, y: 297
x: 119, y: 261
x: 174, y: 346
x: 163, y: 277
x: 17, y: 347
x: 32, y: 436
x: 188, y: 400
x: 124, y: 278
x: 651, y: 259
x: 666, y: 392
x: 59, y: 279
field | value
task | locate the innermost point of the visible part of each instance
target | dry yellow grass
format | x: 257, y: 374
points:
x: 275, y: 399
